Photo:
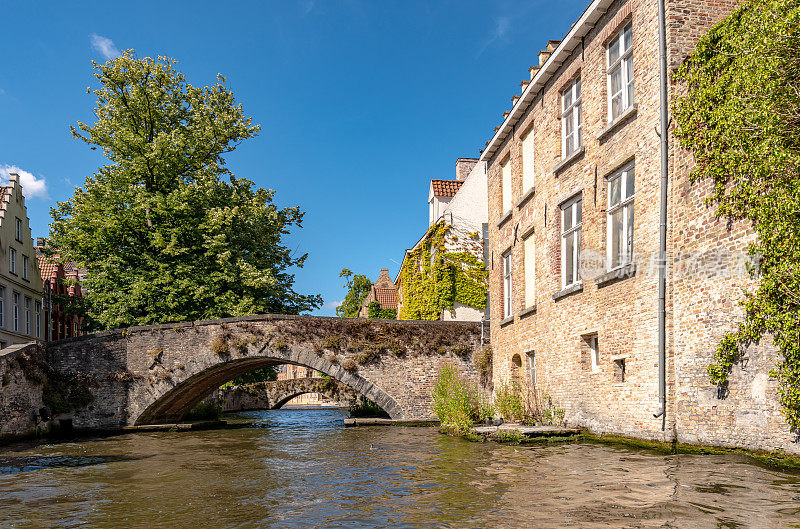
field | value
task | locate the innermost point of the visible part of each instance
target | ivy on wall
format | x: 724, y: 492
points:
x: 374, y: 311
x: 740, y: 119
x: 434, y: 279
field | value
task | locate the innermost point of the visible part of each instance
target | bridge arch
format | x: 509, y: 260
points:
x: 155, y: 374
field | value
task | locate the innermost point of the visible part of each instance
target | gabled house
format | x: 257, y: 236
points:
x: 21, y: 318
x: 383, y: 292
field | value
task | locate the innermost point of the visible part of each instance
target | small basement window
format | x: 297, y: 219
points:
x: 619, y: 370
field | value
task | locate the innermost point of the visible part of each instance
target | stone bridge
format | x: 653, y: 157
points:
x: 155, y: 374
x: 273, y: 395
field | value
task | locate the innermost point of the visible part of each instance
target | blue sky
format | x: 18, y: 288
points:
x: 360, y: 102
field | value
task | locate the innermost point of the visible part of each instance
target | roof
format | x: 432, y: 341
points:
x: 387, y: 297
x: 47, y: 267
x: 445, y: 188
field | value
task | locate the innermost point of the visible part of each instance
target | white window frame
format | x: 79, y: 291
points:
x: 508, y: 285
x: 594, y: 353
x: 574, y: 235
x: 27, y: 315
x: 621, y: 64
x: 12, y: 261
x: 505, y: 176
x: 531, y: 357
x: 37, y: 305
x: 25, y: 267
x: 18, y: 229
x: 625, y: 204
x: 529, y: 263
x: 528, y: 157
x: 15, y: 310
x: 2, y: 306
x: 573, y: 113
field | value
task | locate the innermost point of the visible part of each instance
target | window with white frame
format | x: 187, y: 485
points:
x: 620, y: 218
x: 38, y: 308
x: 18, y: 230
x: 25, y: 266
x: 505, y: 171
x: 571, y: 118
x: 571, y: 222
x: 27, y: 315
x: 15, y: 310
x: 2, y: 307
x: 529, y: 249
x: 594, y: 353
x: 619, y: 55
x: 12, y: 260
x: 531, y: 357
x: 527, y: 162
x: 507, y: 305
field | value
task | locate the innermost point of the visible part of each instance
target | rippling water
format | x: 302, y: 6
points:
x: 302, y: 468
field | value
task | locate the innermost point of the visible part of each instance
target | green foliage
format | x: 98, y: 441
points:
x: 219, y: 345
x: 357, y: 289
x: 434, y: 278
x: 363, y: 407
x: 265, y: 374
x: 374, y: 311
x: 482, y: 359
x: 508, y: 400
x: 166, y: 231
x: 204, y: 411
x: 740, y: 118
x: 457, y: 402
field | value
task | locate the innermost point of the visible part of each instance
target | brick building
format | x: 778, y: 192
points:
x: 21, y: 306
x: 574, y: 214
x: 383, y: 291
x: 64, y: 280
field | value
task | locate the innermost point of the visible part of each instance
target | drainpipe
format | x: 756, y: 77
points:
x: 662, y: 228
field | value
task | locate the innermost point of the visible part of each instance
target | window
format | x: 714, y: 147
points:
x: 15, y: 315
x: 38, y: 308
x: 571, y: 118
x: 2, y: 306
x: 620, y: 218
x: 527, y: 163
x: 571, y: 221
x: 505, y: 170
x: 18, y: 230
x: 594, y: 353
x: 27, y: 315
x: 529, y: 248
x: 12, y: 260
x: 619, y: 55
x: 25, y: 266
x: 507, y: 307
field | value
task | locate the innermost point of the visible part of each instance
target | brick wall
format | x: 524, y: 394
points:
x: 622, y: 313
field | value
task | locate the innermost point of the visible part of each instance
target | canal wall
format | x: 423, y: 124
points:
x: 21, y: 393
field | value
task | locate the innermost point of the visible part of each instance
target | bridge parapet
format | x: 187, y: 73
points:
x: 274, y: 394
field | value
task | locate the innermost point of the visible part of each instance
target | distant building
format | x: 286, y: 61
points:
x: 290, y: 372
x: 21, y: 318
x: 462, y: 205
x: 65, y: 280
x: 383, y: 291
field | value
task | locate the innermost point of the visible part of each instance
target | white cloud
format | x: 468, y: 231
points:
x: 333, y: 304
x: 306, y: 6
x: 501, y: 27
x: 32, y: 187
x: 103, y: 45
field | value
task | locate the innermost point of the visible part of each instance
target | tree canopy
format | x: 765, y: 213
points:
x: 357, y: 290
x: 741, y: 118
x: 165, y: 230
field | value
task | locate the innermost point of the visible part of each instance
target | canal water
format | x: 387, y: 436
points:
x: 302, y: 468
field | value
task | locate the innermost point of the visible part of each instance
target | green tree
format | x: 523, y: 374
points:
x: 357, y: 289
x: 166, y: 231
x: 741, y: 118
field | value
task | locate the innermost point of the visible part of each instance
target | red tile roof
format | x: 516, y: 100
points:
x: 387, y: 297
x: 46, y: 267
x: 445, y: 188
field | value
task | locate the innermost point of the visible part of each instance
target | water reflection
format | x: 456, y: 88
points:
x: 301, y: 468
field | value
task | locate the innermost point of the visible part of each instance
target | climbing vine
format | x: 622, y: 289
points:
x: 740, y: 119
x: 374, y: 311
x: 434, y: 277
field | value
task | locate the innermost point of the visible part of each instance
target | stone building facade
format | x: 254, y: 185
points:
x: 383, y: 291
x: 64, y: 281
x: 21, y: 309
x: 574, y: 182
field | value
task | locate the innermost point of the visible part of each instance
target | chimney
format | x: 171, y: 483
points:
x: 40, y: 242
x: 384, y: 281
x: 464, y: 167
x: 543, y: 56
